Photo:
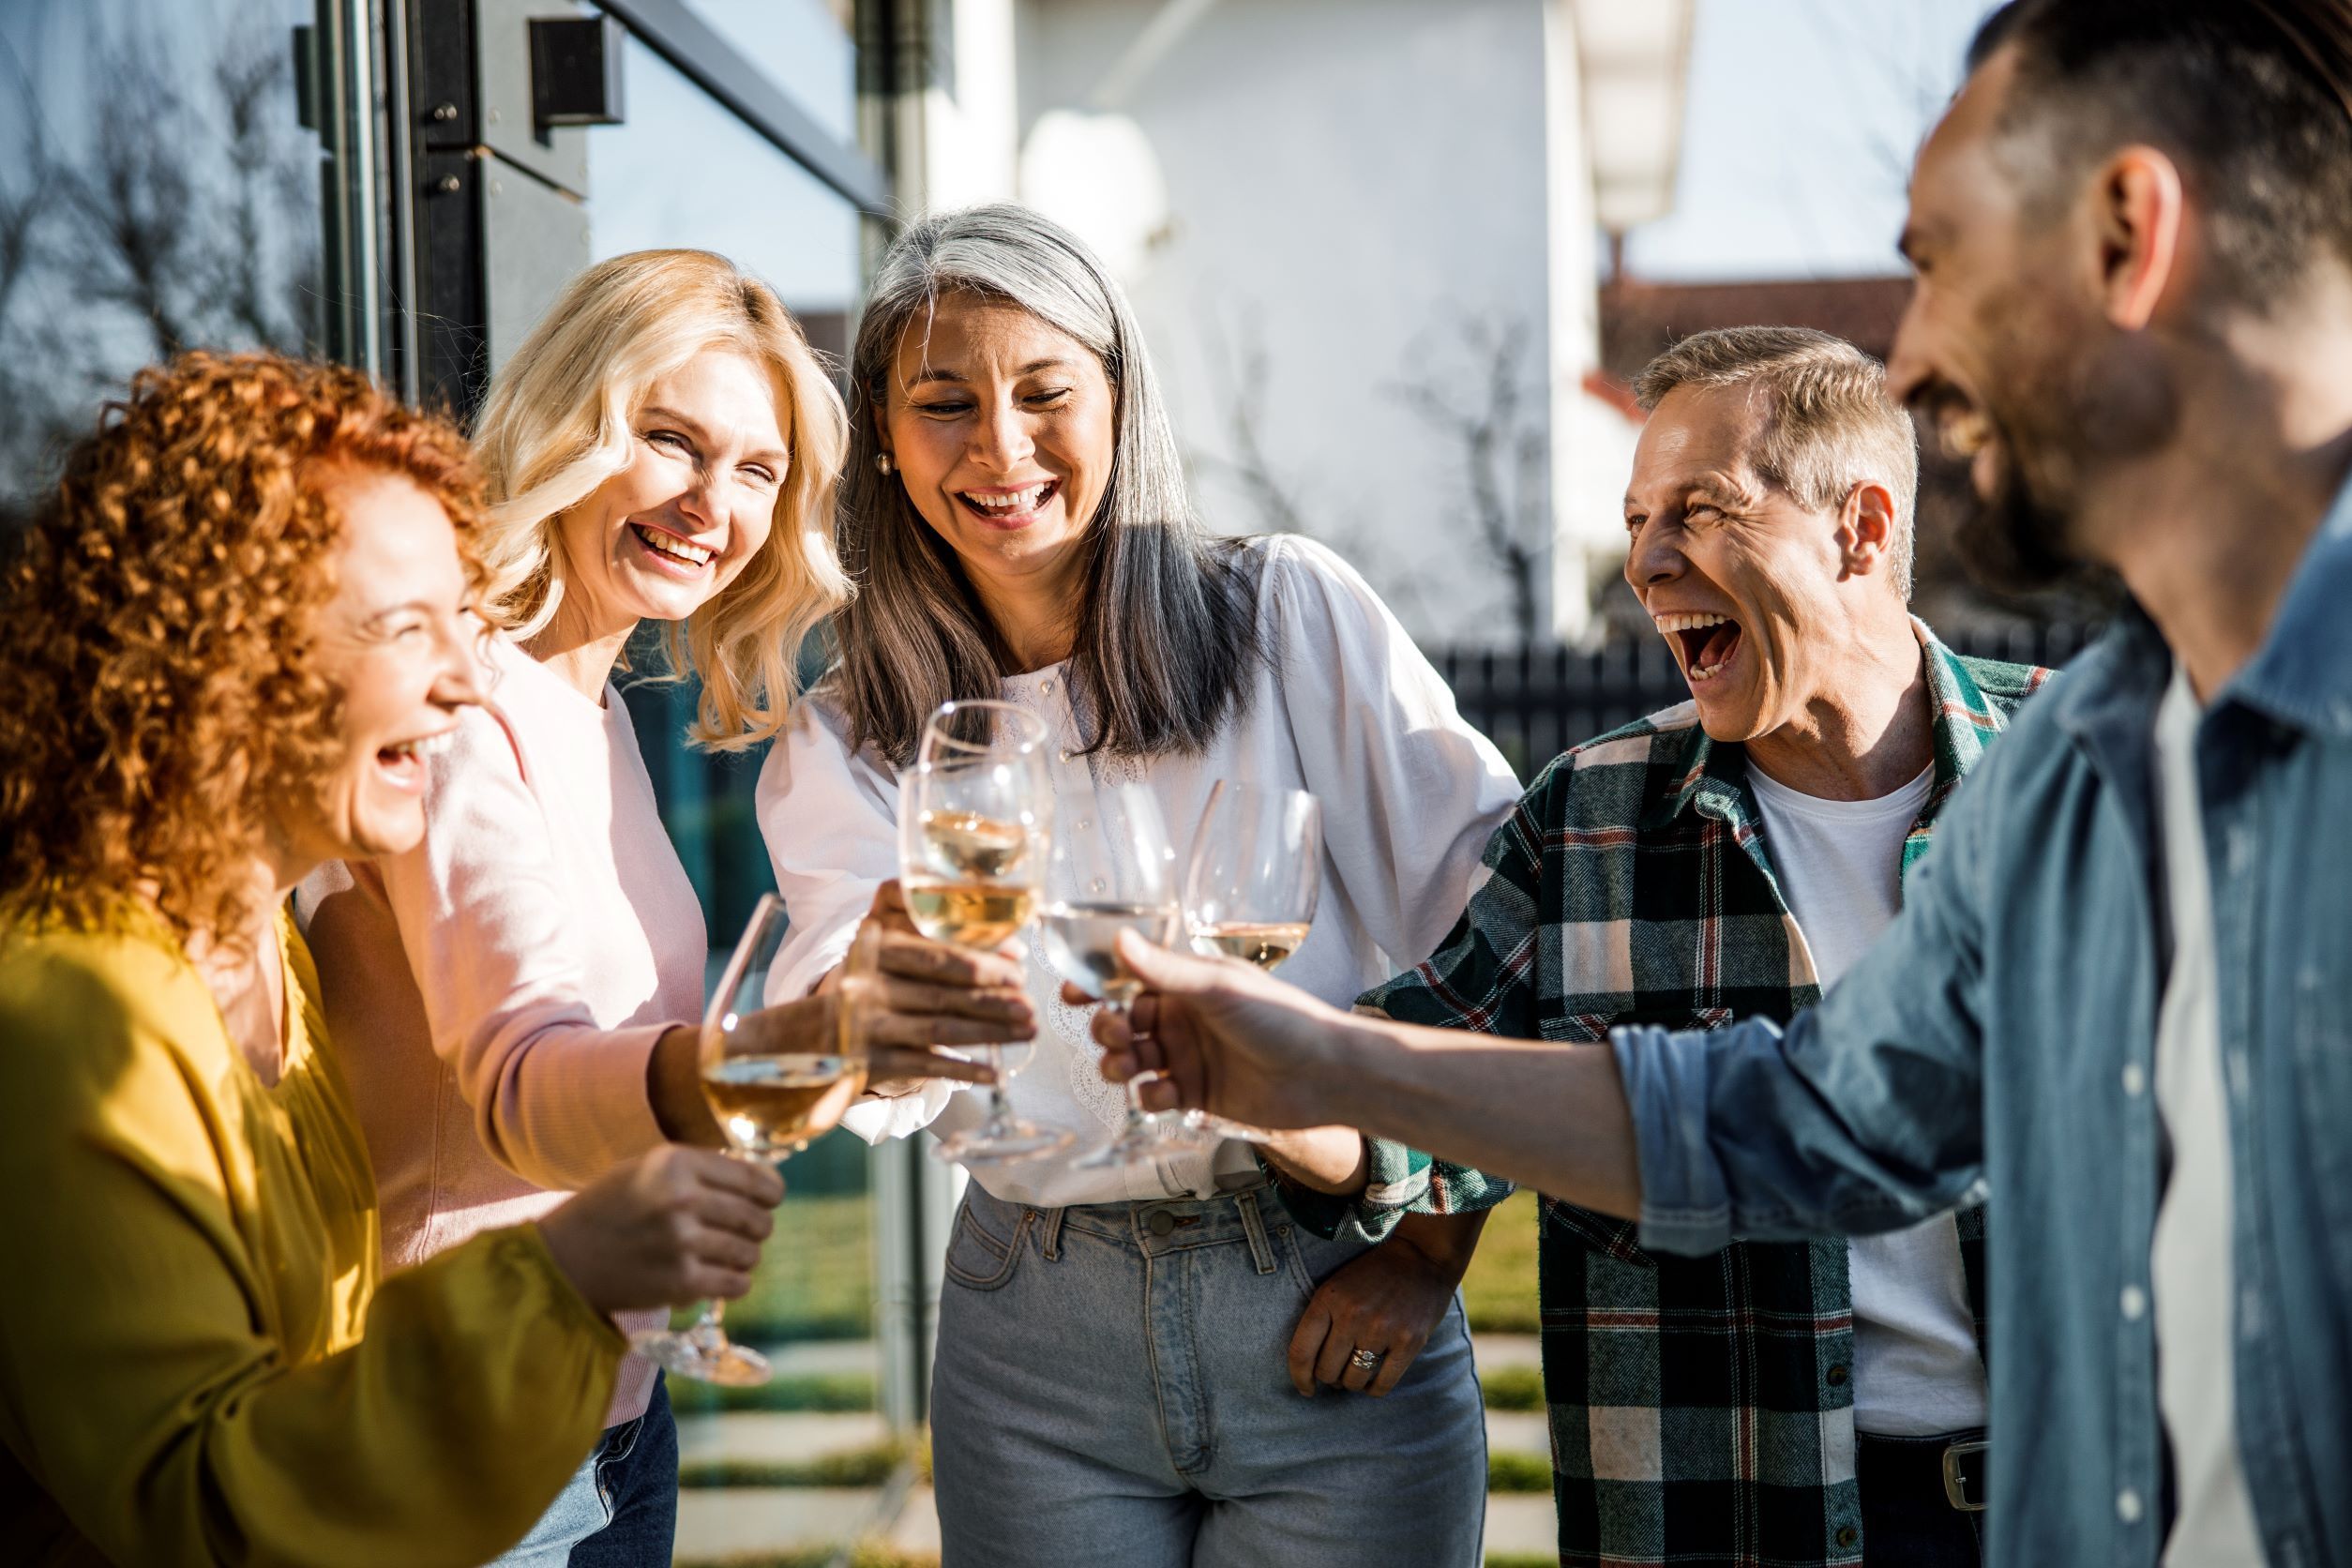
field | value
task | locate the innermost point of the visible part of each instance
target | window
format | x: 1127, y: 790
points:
x: 158, y: 193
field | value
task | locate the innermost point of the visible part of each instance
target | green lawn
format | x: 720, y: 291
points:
x: 1498, y: 1292
x: 820, y: 1390
x: 816, y: 1278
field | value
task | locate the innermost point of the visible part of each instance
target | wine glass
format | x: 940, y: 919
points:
x: 1251, y: 887
x: 1117, y: 876
x: 971, y: 856
x: 770, y: 1098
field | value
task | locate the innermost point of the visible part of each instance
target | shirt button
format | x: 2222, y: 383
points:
x: 1064, y: 755
x: 2127, y: 1506
x: 1837, y: 1376
x: 2135, y: 1303
x: 1847, y: 1536
x: 1045, y: 687
x: 2135, y: 1079
x: 1084, y: 823
x: 1097, y: 885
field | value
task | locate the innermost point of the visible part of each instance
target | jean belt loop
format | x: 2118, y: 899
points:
x: 1253, y: 1227
x: 1049, y: 1232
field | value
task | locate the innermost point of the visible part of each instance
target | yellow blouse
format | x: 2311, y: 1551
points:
x: 197, y: 1363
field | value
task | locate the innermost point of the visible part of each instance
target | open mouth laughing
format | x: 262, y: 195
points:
x: 1709, y: 643
x: 1009, y: 507
x: 404, y: 763
x: 673, y: 552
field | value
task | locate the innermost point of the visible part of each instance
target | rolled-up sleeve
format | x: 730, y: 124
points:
x: 1865, y: 1114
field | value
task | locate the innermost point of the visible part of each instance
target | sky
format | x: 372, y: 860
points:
x: 1800, y: 123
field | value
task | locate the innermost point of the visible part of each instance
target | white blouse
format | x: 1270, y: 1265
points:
x: 1346, y: 707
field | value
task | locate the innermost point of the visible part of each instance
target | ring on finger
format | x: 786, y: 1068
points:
x: 1367, y: 1361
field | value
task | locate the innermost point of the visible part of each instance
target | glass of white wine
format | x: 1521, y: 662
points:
x: 771, y: 1096
x: 1251, y: 888
x: 1117, y: 874
x: 972, y: 840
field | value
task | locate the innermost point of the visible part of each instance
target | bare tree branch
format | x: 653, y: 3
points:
x: 1500, y: 432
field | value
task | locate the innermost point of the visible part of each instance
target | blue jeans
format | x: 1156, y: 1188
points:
x: 1112, y: 1387
x: 620, y: 1509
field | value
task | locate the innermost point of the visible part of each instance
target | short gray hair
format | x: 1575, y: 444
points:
x: 1830, y: 425
x: 1167, y: 631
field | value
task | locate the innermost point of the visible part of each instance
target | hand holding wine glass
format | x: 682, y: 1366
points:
x: 1251, y: 888
x: 923, y: 999
x: 674, y: 1226
x: 1116, y: 876
x: 773, y: 1085
x: 1221, y: 1035
x: 973, y: 841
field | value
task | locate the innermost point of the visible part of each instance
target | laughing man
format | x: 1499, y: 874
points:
x: 1789, y: 1402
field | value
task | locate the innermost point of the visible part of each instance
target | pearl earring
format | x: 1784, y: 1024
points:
x: 882, y: 462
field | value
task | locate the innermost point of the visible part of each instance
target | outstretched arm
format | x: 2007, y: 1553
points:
x: 1246, y: 1046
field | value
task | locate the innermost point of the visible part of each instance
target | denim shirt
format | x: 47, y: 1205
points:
x: 2001, y: 1039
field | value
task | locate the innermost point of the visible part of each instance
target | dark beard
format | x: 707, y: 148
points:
x: 2013, y: 542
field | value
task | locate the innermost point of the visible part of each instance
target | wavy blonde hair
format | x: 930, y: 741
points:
x: 557, y: 423
x: 158, y: 692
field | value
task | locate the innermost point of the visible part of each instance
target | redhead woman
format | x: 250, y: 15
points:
x: 1124, y: 1353
x: 237, y: 627
x: 519, y: 993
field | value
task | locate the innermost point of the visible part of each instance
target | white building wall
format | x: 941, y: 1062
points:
x: 1354, y: 192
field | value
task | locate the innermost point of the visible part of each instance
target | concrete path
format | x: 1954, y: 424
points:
x: 769, y: 1437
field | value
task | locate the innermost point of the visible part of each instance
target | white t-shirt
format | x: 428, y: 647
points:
x: 2191, y: 1268
x: 1346, y: 707
x: 1916, y: 1368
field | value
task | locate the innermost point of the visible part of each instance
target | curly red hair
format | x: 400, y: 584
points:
x: 155, y: 683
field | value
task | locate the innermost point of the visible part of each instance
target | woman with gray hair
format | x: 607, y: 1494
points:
x: 1014, y: 520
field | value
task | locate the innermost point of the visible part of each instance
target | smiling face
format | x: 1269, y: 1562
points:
x: 1002, y: 430
x: 1760, y: 598
x: 2002, y: 350
x: 399, y: 643
x: 662, y: 537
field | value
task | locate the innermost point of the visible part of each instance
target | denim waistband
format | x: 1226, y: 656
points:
x: 1157, y: 1225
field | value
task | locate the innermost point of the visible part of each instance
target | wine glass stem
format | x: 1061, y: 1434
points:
x: 1136, y: 1115
x: 1000, y: 1103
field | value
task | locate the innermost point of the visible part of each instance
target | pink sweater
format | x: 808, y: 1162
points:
x: 496, y: 991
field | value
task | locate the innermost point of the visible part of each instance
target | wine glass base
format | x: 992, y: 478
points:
x: 706, y: 1359
x: 987, y: 1146
x: 1202, y: 1124
x: 1140, y: 1143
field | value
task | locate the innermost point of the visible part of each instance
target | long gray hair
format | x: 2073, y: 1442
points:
x: 1166, y: 632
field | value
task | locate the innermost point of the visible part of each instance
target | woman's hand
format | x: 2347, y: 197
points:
x: 1230, y: 1038
x: 915, y: 994
x: 676, y: 1225
x: 1387, y: 1301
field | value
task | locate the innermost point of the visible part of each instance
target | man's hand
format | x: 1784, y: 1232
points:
x: 913, y: 994
x: 1229, y: 1037
x: 1388, y: 1301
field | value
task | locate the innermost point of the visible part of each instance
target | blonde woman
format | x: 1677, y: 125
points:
x: 516, y: 994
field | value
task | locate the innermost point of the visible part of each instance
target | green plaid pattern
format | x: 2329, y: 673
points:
x: 1701, y: 1408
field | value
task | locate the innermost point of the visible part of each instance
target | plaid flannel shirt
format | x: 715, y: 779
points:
x: 1702, y: 1410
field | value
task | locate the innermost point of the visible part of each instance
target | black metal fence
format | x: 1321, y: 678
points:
x: 1537, y: 702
